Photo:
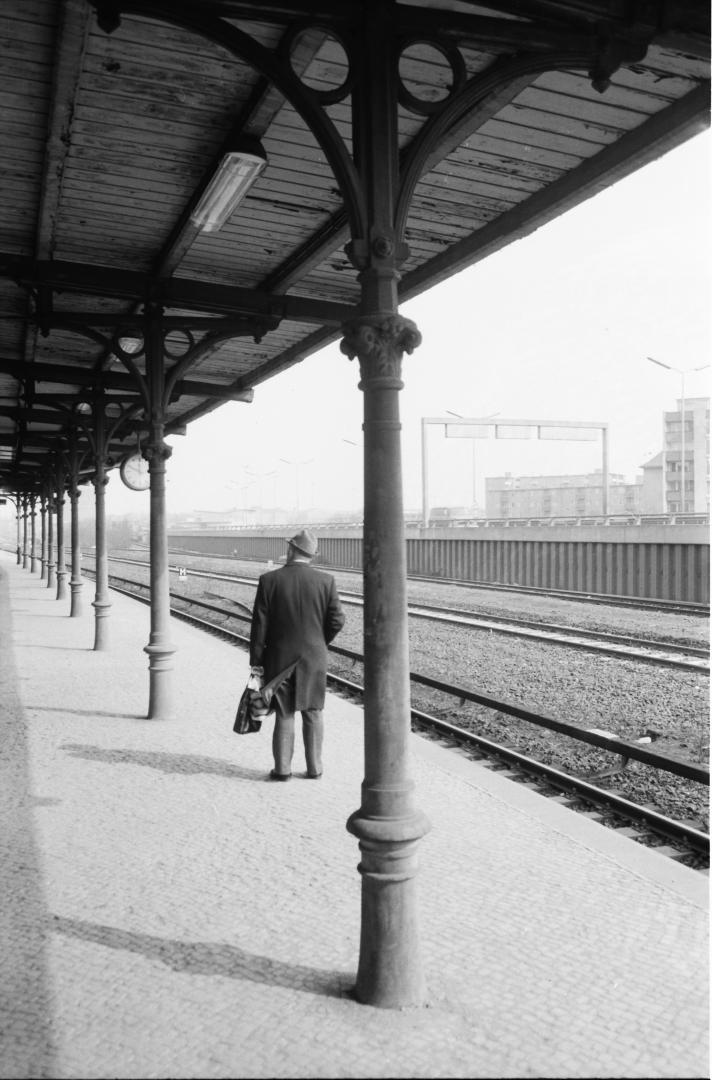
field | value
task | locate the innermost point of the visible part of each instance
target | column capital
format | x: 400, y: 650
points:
x: 379, y: 342
x: 157, y: 451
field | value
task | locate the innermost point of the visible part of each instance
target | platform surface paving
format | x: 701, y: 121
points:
x: 169, y: 912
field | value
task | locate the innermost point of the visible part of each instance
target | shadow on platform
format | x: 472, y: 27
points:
x: 62, y: 648
x: 187, y: 764
x: 102, y: 713
x: 209, y: 958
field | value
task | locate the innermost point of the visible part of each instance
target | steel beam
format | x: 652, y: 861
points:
x: 64, y: 374
x: 215, y: 299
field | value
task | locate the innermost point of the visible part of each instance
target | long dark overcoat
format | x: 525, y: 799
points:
x: 296, y: 614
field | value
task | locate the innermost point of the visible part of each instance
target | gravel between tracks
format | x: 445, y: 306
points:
x: 629, y: 699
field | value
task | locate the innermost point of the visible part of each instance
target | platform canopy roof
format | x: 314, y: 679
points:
x: 116, y: 115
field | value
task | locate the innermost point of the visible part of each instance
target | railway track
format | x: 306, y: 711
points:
x: 679, y: 607
x: 627, y: 647
x: 679, y: 840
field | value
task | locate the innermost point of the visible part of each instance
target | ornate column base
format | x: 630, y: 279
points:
x: 101, y: 624
x: 51, y: 575
x: 160, y: 693
x: 43, y: 573
x: 76, y: 590
x: 390, y: 975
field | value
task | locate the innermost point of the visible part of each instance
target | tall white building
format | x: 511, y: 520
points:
x: 694, y: 440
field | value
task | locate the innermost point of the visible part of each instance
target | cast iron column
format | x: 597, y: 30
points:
x: 160, y: 648
x: 25, y: 511
x: 43, y: 534
x: 61, y: 564
x: 18, y: 516
x: 388, y: 823
x: 33, y: 534
x: 101, y: 602
x: 75, y: 583
x: 51, y: 580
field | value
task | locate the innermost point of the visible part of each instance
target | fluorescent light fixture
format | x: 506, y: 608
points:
x: 233, y: 178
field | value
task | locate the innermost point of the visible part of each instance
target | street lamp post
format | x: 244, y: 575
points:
x: 297, y: 465
x: 258, y: 478
x: 681, y: 372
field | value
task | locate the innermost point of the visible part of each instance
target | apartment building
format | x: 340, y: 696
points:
x: 560, y: 496
x: 686, y: 490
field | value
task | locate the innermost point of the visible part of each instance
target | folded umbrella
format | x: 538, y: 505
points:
x: 262, y: 699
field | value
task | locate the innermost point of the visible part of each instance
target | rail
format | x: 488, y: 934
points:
x: 629, y: 751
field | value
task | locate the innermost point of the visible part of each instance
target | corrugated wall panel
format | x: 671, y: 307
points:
x: 669, y: 571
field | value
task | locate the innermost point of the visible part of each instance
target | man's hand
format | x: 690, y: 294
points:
x: 257, y: 678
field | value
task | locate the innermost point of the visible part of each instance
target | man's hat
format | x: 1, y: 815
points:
x: 305, y: 542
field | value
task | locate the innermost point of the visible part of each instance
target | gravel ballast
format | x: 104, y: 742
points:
x: 629, y: 699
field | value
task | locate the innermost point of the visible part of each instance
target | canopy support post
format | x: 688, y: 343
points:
x: 160, y: 648
x: 388, y: 824
x: 101, y: 602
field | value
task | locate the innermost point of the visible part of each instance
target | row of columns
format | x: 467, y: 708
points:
x: 49, y: 557
x: 51, y: 560
x: 388, y: 824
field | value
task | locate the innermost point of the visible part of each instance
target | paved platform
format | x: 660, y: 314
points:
x: 169, y: 912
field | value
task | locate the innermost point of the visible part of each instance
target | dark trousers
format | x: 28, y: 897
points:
x: 283, y: 740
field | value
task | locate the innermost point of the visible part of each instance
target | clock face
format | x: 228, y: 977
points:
x: 134, y: 472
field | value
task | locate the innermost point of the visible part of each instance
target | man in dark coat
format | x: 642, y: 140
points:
x: 296, y: 614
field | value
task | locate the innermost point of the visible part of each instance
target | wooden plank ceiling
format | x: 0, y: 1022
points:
x: 107, y: 139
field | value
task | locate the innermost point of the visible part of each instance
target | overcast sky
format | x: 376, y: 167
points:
x: 555, y: 326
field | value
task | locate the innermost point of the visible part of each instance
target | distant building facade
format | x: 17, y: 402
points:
x: 560, y: 496
x: 696, y: 437
x: 652, y: 501
x: 657, y: 491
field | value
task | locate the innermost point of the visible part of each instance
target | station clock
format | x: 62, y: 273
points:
x: 134, y: 472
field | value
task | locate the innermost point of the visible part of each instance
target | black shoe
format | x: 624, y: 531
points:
x: 280, y: 776
x: 313, y: 775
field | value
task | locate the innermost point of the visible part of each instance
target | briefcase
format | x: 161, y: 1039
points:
x: 255, y: 702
